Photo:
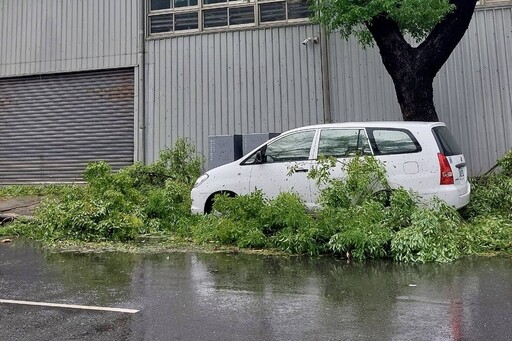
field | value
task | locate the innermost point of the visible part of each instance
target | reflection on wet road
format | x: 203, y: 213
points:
x: 189, y: 296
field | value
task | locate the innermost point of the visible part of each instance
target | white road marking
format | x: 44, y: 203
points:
x: 71, y: 306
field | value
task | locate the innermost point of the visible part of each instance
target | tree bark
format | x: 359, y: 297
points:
x: 416, y: 98
x: 413, y: 69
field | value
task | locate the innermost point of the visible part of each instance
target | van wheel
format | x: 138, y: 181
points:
x: 208, y: 207
x: 383, y: 196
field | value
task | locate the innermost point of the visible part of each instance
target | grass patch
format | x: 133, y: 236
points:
x: 34, y: 190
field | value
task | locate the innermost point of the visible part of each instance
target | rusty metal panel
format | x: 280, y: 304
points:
x: 53, y: 125
x: 50, y: 36
x: 225, y: 83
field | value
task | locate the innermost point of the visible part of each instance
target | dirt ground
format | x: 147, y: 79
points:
x: 11, y: 208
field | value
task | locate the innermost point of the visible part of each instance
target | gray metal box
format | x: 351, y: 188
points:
x: 223, y: 149
x: 251, y: 141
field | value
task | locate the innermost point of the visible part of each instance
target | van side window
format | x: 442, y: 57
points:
x: 293, y: 147
x: 392, y: 141
x: 343, y: 143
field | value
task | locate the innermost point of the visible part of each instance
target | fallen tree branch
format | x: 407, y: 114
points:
x: 18, y: 207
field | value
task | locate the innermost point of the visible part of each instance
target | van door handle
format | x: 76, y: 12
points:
x: 301, y: 170
x: 460, y: 165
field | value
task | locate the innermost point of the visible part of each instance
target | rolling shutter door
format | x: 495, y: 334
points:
x: 52, y: 126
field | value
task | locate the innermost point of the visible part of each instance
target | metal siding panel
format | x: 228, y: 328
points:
x: 290, y: 83
x: 45, y: 38
x: 159, y: 105
x: 216, y: 84
x: 472, y: 90
x: 221, y: 95
x: 232, y: 83
x: 270, y: 82
x: 74, y: 47
x: 3, y: 37
x: 52, y: 126
x: 356, y: 75
x: 122, y: 31
x: 180, y: 80
x: 50, y: 36
x: 152, y: 147
x: 136, y: 115
x: 257, y: 56
x: 53, y: 35
x: 16, y: 42
x: 194, y: 89
x: 230, y: 75
x: 235, y: 97
x: 268, y: 70
x: 278, y: 83
x: 172, y: 117
x: 250, y: 72
x: 187, y: 89
x: 196, y: 117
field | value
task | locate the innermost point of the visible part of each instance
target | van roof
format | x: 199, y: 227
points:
x: 373, y: 124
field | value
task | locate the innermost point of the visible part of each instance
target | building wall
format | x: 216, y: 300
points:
x: 250, y: 81
x: 49, y: 36
x: 267, y: 81
x: 360, y: 87
x: 472, y: 92
x: 59, y: 36
x: 258, y: 80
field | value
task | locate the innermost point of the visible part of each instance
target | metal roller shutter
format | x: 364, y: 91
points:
x: 52, y: 126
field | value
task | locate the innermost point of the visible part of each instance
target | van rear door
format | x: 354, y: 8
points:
x: 449, y: 147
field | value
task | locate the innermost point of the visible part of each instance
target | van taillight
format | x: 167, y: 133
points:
x: 446, y: 170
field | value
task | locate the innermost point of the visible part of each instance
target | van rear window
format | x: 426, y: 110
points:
x: 386, y: 141
x: 446, y: 142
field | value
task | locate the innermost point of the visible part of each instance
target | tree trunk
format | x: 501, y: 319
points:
x: 413, y: 84
x: 413, y: 69
x: 415, y: 97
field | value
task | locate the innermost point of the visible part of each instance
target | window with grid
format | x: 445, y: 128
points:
x: 493, y: 2
x: 182, y: 16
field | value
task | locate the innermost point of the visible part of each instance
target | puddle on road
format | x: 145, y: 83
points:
x: 237, y: 296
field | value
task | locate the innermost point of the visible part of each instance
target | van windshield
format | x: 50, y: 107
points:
x: 446, y: 142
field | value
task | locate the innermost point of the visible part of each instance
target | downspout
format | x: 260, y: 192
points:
x: 326, y: 83
x: 141, y: 60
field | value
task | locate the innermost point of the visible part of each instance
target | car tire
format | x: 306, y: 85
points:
x: 208, y: 207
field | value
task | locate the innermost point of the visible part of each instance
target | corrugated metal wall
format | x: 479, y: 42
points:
x: 472, y: 91
x: 231, y: 83
x: 361, y: 88
x: 52, y: 126
x: 46, y: 36
x: 261, y: 80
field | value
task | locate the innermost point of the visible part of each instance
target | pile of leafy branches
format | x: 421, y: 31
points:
x: 489, y: 212
x: 360, y: 216
x: 119, y: 206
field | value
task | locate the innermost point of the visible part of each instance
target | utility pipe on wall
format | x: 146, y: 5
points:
x: 140, y: 154
x: 326, y: 84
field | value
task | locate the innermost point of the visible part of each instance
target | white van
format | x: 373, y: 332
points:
x: 420, y: 156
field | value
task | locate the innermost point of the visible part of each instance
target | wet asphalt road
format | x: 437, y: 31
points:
x: 189, y: 296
